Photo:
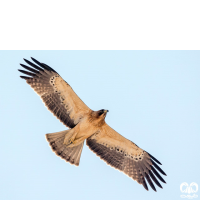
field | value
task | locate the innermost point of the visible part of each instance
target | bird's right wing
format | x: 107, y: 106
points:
x: 57, y: 94
x: 124, y: 155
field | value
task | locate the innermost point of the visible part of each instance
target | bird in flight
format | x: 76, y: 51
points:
x: 86, y: 124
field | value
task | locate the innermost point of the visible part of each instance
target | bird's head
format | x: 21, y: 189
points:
x: 102, y: 113
x: 98, y: 117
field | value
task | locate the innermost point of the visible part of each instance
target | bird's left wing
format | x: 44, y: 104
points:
x: 124, y: 155
x: 56, y: 93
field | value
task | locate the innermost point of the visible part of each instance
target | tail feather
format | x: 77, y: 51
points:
x: 70, y: 154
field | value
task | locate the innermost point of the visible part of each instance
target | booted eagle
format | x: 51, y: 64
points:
x: 86, y: 124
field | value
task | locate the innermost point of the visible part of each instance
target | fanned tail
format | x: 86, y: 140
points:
x: 70, y: 154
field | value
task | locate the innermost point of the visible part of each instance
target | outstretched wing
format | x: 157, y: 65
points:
x: 57, y: 94
x: 126, y: 156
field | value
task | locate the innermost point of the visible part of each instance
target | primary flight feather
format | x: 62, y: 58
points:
x: 86, y: 124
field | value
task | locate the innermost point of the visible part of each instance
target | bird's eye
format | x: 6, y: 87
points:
x: 101, y: 112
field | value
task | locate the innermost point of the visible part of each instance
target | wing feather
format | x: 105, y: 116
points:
x: 57, y: 94
x: 157, y: 174
x: 150, y: 182
x: 33, y: 65
x: 154, y: 179
x: 154, y: 159
x: 124, y: 155
x: 158, y: 168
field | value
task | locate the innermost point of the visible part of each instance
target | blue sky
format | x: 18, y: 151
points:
x: 153, y: 100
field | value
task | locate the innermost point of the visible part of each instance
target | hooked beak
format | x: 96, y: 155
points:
x: 105, y: 111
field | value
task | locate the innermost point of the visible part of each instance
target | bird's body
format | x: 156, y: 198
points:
x: 86, y: 124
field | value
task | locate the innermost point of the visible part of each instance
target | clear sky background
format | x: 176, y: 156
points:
x: 152, y: 97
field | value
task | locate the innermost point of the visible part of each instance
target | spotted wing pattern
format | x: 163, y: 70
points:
x: 57, y: 94
x: 140, y: 166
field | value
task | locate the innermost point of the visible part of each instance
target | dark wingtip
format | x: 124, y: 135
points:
x: 36, y: 61
x: 164, y: 173
x: 43, y: 65
x: 154, y: 179
x: 154, y: 189
x: 154, y: 159
x: 24, y: 77
x: 150, y: 181
x: 145, y: 184
x: 157, y: 174
x: 146, y: 188
x: 158, y: 168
